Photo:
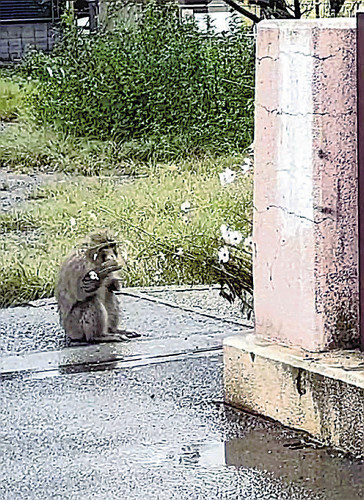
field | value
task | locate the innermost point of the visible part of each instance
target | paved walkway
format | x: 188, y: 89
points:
x: 145, y: 420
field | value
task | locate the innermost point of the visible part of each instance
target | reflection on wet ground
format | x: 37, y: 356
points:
x: 155, y: 431
x: 291, y: 460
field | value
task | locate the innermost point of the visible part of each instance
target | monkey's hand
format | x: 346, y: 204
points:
x: 91, y: 282
x: 113, y: 284
x: 107, y: 268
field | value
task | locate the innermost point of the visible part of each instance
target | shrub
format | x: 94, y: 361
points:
x: 157, y: 80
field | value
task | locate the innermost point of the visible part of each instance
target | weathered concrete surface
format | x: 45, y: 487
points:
x: 36, y: 328
x: 322, y: 394
x: 152, y: 432
x: 305, y: 220
x: 145, y: 419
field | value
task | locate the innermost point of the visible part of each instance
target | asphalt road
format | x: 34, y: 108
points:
x: 144, y: 420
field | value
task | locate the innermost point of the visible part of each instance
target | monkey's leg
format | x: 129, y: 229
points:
x: 73, y: 324
x: 113, y: 314
x: 94, y: 320
x: 119, y: 336
x: 87, y: 320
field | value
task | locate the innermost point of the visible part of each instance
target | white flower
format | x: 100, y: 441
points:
x: 50, y: 72
x: 186, y: 219
x: 224, y: 230
x: 247, y: 166
x: 227, y: 176
x: 235, y: 237
x: 185, y: 207
x: 224, y: 255
x: 230, y: 237
x: 179, y: 251
x: 92, y: 215
x: 225, y: 233
x: 248, y: 244
x: 72, y: 222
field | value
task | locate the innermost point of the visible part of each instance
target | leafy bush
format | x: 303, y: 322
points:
x: 156, y: 81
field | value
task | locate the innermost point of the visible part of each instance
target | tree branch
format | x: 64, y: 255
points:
x: 243, y: 11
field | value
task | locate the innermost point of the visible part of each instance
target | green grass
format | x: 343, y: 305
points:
x: 11, y: 100
x: 176, y: 107
x: 27, y: 148
x: 164, y: 245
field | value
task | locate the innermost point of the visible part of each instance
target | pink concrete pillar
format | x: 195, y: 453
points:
x: 305, y: 220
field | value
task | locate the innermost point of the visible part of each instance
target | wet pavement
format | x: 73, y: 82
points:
x: 145, y: 419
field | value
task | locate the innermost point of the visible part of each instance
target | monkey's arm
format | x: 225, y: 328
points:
x: 92, y: 281
x: 89, y: 284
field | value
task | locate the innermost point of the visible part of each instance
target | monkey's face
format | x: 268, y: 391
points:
x: 105, y: 254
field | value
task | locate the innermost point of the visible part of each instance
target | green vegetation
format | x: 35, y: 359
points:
x: 158, y: 100
x: 27, y: 148
x: 165, y: 245
x: 10, y: 100
x: 159, y: 84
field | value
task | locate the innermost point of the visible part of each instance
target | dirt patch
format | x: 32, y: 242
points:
x: 17, y: 188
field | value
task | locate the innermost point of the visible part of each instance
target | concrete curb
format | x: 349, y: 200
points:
x: 322, y: 394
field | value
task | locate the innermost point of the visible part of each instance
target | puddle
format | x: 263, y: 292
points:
x: 296, y: 461
x: 212, y: 455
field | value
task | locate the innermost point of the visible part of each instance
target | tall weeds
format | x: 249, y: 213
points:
x: 158, y: 81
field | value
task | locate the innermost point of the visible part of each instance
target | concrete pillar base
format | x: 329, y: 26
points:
x: 320, y: 393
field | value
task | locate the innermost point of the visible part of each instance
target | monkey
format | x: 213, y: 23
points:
x: 87, y: 305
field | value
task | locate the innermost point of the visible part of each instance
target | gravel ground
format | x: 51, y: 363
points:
x: 204, y: 299
x: 16, y: 188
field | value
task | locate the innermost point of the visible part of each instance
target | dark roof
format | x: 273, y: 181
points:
x: 13, y: 10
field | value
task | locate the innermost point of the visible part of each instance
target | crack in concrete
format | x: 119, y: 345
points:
x: 314, y: 113
x: 259, y: 59
x: 314, y: 56
x: 297, y: 215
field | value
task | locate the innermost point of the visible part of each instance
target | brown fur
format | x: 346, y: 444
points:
x: 88, y: 307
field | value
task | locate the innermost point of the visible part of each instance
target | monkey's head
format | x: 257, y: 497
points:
x: 101, y: 247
